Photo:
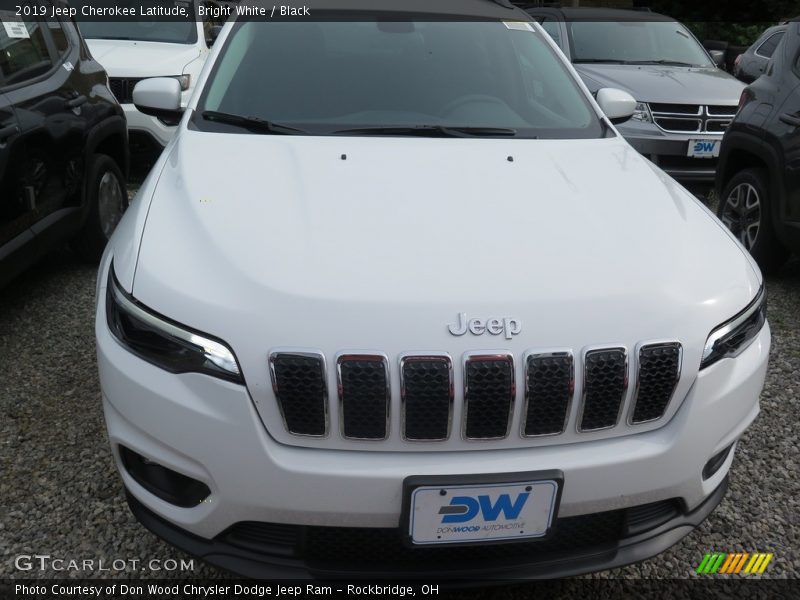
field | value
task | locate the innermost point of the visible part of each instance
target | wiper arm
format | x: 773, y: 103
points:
x: 251, y: 123
x: 673, y: 63
x: 431, y: 131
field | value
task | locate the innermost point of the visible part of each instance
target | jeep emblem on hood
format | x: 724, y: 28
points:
x: 494, y: 325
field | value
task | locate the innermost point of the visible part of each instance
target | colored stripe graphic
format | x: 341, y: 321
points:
x: 740, y: 564
x: 701, y: 569
x: 764, y: 564
x: 734, y: 563
x: 729, y: 563
x: 718, y: 562
x: 753, y: 561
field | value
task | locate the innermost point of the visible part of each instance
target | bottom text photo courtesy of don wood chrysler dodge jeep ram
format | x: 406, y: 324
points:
x: 438, y: 317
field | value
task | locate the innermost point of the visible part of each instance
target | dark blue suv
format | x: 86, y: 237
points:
x: 758, y: 179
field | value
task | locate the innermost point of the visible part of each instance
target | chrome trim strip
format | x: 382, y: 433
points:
x: 558, y: 353
x: 210, y: 346
x: 411, y: 357
x: 372, y: 357
x: 586, y: 351
x: 275, y: 353
x: 637, y: 374
x: 724, y: 329
x: 499, y: 356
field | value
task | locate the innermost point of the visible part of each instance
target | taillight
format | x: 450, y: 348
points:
x: 746, y: 97
x: 737, y: 60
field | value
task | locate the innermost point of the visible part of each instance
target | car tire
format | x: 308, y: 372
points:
x: 107, y: 199
x: 745, y: 209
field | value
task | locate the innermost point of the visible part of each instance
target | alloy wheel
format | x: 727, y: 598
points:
x: 110, y: 203
x: 742, y: 213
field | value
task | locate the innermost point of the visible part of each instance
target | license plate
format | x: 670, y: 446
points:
x: 704, y: 148
x: 452, y: 514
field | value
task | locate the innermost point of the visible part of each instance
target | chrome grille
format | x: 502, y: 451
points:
x: 659, y: 373
x: 550, y: 383
x: 604, y: 384
x: 486, y: 409
x: 692, y: 118
x: 488, y: 396
x: 426, y: 388
x: 298, y: 380
x: 364, y: 396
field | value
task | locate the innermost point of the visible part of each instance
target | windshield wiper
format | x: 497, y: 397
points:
x: 662, y: 61
x: 250, y: 123
x: 431, y: 131
x: 612, y: 61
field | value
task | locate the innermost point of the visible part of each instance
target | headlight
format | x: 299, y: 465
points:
x: 185, y: 81
x: 642, y: 113
x: 732, y: 337
x: 164, y: 343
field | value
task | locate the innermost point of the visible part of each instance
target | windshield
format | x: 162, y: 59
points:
x: 499, y: 79
x: 636, y: 42
x: 169, y: 31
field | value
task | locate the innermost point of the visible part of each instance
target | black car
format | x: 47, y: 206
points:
x: 63, y: 141
x: 750, y: 65
x: 758, y: 180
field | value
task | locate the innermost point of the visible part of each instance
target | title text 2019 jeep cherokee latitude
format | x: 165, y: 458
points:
x: 399, y: 300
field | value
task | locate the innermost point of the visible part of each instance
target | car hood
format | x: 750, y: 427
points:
x: 127, y: 58
x: 378, y: 243
x: 665, y: 84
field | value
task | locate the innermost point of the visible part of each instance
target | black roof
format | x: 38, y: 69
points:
x: 606, y: 14
x: 488, y: 9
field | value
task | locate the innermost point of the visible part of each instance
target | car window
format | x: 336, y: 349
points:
x: 165, y: 31
x: 23, y: 51
x: 336, y: 75
x: 59, y: 36
x: 767, y: 49
x: 636, y: 42
x: 552, y: 29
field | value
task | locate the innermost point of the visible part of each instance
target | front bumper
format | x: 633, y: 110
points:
x: 669, y: 151
x: 378, y: 553
x: 209, y: 430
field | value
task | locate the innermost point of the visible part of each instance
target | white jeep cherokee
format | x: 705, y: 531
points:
x: 398, y: 299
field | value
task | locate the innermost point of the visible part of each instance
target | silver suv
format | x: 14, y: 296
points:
x: 685, y: 102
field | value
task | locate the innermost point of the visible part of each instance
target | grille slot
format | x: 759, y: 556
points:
x: 298, y: 380
x: 122, y: 88
x: 427, y: 392
x: 364, y: 396
x: 489, y: 392
x: 605, y: 383
x: 659, y: 372
x: 676, y: 109
x: 549, y: 385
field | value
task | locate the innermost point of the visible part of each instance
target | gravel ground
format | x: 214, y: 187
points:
x: 60, y: 494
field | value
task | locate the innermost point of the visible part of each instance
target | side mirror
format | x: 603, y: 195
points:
x: 617, y: 105
x: 159, y: 97
x: 718, y: 56
x: 213, y: 34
